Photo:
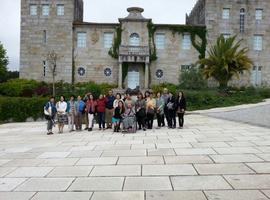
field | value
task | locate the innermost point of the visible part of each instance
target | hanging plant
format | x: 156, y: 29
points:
x: 114, y: 50
x: 152, y: 45
x: 194, y: 31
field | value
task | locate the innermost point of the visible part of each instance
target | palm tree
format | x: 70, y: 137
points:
x: 226, y: 59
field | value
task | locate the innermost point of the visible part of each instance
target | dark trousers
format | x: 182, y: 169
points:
x: 181, y: 119
x: 101, y: 119
x: 160, y: 119
x: 141, y: 121
x: 171, y: 118
x: 78, y: 121
x: 149, y: 120
x: 50, y: 124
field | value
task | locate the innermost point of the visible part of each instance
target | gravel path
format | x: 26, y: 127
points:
x: 259, y: 115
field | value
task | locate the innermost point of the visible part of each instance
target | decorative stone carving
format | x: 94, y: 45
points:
x: 94, y: 37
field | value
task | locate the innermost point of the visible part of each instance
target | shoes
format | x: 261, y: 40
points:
x: 90, y: 129
x: 104, y: 129
x: 49, y: 133
x: 144, y: 129
x: 100, y: 129
x: 86, y: 128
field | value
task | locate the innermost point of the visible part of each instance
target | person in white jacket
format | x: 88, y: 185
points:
x: 61, y: 107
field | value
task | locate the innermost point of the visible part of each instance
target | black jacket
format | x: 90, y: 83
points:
x: 181, y: 104
x: 171, y: 103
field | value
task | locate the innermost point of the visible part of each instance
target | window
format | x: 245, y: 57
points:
x: 134, y: 39
x: 256, y: 76
x: 45, y: 10
x: 186, y: 42
x: 108, y: 40
x: 226, y: 35
x: 242, y: 20
x: 159, y: 73
x: 160, y: 41
x: 107, y: 72
x: 257, y: 43
x: 185, y: 67
x: 44, y: 37
x: 259, y: 14
x: 60, y: 10
x: 44, y: 62
x: 81, y: 71
x: 33, y: 9
x: 226, y: 13
x: 81, y: 40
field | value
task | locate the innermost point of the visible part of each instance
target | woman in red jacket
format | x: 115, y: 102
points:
x: 91, y: 109
x: 101, y: 108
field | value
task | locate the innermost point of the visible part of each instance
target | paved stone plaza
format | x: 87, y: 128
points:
x: 210, y: 159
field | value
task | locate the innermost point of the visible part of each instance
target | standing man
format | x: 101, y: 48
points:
x: 50, y: 112
x: 165, y: 97
x: 79, y: 107
x: 71, y: 113
x: 109, y: 109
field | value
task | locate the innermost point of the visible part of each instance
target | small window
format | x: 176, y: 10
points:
x: 160, y: 41
x: 159, y: 73
x: 44, y: 37
x: 81, y: 71
x: 185, y: 68
x: 60, y: 10
x: 108, y: 72
x: 259, y: 14
x: 186, y: 42
x: 134, y: 39
x: 45, y: 10
x: 108, y: 40
x: 242, y: 20
x: 81, y: 40
x: 258, y: 43
x: 33, y: 9
x: 226, y: 13
x: 44, y: 67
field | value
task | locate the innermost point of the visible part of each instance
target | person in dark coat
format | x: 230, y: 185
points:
x: 171, y: 104
x: 181, y: 108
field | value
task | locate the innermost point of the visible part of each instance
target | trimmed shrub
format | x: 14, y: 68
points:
x: 18, y: 109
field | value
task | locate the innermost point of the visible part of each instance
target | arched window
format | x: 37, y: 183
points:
x: 242, y: 20
x: 134, y: 39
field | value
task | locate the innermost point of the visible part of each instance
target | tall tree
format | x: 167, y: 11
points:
x: 226, y: 59
x: 3, y: 63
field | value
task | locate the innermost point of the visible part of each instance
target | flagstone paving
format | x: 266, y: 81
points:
x: 210, y: 159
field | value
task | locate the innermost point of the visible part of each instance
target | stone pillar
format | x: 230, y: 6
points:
x: 146, y: 78
x: 120, y: 86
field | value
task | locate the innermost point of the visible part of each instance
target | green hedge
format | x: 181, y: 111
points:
x: 18, y: 109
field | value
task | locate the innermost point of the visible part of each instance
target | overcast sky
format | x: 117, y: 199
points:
x: 161, y: 11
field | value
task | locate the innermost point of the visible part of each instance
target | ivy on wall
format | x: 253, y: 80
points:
x: 114, y: 50
x: 194, y: 31
x: 152, y: 45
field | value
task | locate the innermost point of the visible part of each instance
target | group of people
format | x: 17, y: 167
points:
x: 121, y: 113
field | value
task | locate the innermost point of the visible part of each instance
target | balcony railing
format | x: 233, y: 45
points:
x: 134, y: 53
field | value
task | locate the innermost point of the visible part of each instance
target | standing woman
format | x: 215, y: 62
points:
x: 150, y: 109
x: 117, y: 99
x: 171, y: 105
x: 91, y: 109
x: 160, y: 109
x: 50, y: 114
x: 140, y: 111
x: 181, y: 108
x: 101, y: 108
x: 61, y: 107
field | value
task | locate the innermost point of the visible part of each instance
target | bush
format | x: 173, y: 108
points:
x: 171, y: 87
x: 192, y: 79
x: 20, y: 87
x: 19, y: 109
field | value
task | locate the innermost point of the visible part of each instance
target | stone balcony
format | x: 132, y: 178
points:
x: 134, y: 54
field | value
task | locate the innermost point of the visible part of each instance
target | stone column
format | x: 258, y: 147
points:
x: 146, y: 78
x: 120, y: 86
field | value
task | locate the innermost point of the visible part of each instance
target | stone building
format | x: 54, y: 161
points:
x: 134, y: 52
x: 249, y: 20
